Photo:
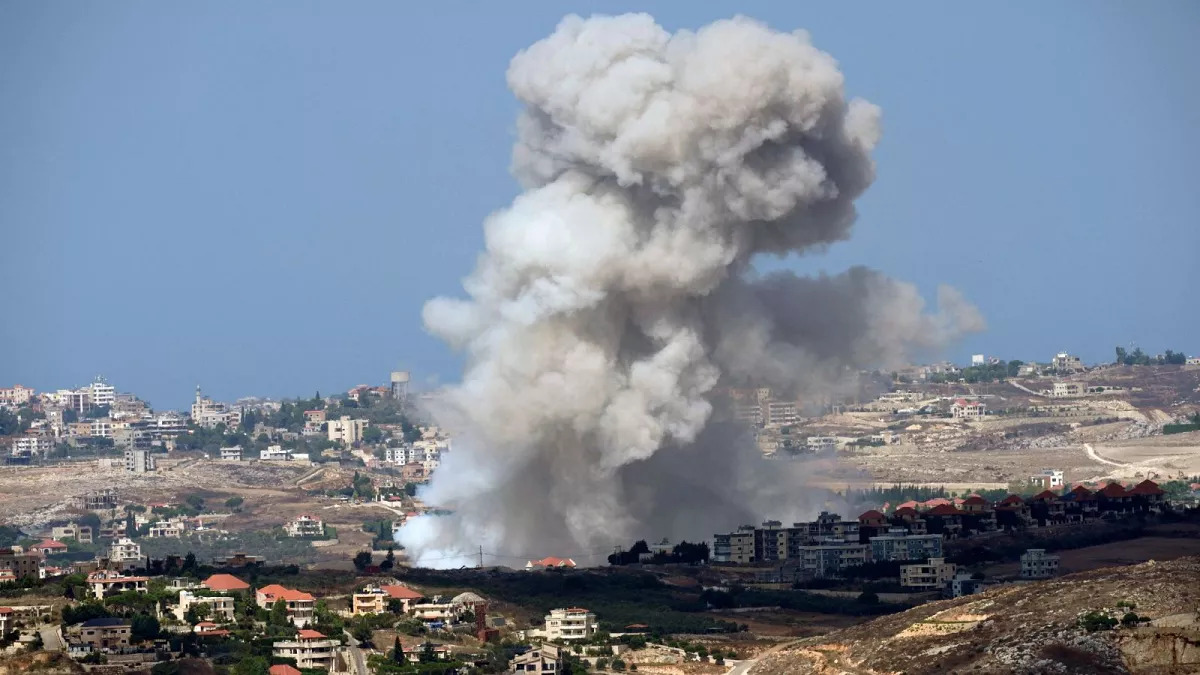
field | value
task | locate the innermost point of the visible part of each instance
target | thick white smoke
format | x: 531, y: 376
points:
x: 615, y: 295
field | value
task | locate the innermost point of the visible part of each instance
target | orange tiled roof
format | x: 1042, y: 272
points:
x: 401, y: 592
x: 225, y: 582
x: 1146, y: 487
x: 281, y: 593
x: 872, y: 515
x: 307, y: 634
x: 945, y: 510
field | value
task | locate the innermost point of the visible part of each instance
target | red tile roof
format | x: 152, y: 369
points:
x: 975, y: 500
x: 283, y: 669
x: 1013, y: 499
x: 225, y: 582
x: 945, y: 510
x: 1113, y: 490
x: 905, y: 511
x: 871, y: 515
x: 1146, y: 487
x: 308, y: 634
x: 1045, y: 495
x: 908, y: 505
x: 277, y: 592
x: 401, y: 592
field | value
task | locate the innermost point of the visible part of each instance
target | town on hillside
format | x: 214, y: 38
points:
x: 259, y: 536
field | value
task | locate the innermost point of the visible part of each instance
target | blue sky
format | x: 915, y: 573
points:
x: 259, y: 197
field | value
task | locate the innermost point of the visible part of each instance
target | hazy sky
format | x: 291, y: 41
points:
x: 259, y: 197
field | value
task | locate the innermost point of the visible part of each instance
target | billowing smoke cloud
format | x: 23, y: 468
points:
x: 616, y: 294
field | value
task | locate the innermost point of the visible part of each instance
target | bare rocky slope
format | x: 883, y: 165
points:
x: 1025, y: 628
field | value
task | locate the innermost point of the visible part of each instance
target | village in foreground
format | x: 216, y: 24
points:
x: 259, y: 536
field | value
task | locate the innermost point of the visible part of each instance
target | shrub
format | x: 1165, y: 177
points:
x: 1097, y: 621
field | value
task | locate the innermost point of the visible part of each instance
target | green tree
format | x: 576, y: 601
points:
x: 279, y: 616
x: 189, y: 562
x: 233, y: 502
x: 1120, y: 355
x: 251, y: 665
x: 398, y: 651
x: 144, y: 627
x: 362, y: 560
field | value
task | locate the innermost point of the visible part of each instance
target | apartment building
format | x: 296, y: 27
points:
x: 220, y: 607
x: 898, y: 544
x: 827, y: 558
x: 772, y: 541
x: 103, y: 583
x: 346, y: 431
x: 735, y: 547
x: 231, y: 454
x: 1066, y: 363
x: 573, y: 623
x: 275, y: 453
x: 20, y: 563
x: 300, y: 605
x: 105, y: 633
x: 821, y: 443
x: 125, y: 551
x: 305, y: 526
x: 1068, y: 389
x: 139, y: 460
x: 15, y: 396
x: 103, y: 500
x: 933, y: 575
x: 168, y: 529
x: 310, y: 649
x: 30, y: 446
x: 80, y: 533
x: 546, y: 659
x: 209, y: 413
x: 968, y: 410
x: 1037, y: 564
x: 375, y: 599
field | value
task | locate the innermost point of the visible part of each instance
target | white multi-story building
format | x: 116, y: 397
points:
x: 232, y: 454
x: 970, y: 410
x: 1050, y: 479
x: 220, y: 607
x: 125, y: 550
x: 28, y: 446
x: 139, y: 460
x: 1037, y: 564
x: 102, y: 427
x: 305, y: 526
x: 209, y: 413
x: 168, y: 529
x: 572, y: 623
x: 1068, y: 389
x: 102, y: 393
x: 275, y: 453
x: 346, y: 431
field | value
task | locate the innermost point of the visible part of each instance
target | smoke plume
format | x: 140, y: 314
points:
x: 616, y: 294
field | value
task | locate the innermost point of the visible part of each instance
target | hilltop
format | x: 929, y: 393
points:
x: 1025, y: 628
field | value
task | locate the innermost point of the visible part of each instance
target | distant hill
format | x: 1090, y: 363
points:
x: 1039, y: 627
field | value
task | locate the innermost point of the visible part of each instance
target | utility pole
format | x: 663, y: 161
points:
x: 481, y: 557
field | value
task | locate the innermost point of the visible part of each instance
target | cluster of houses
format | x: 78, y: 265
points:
x: 916, y: 530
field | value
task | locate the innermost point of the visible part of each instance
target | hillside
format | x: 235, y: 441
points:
x: 1025, y: 628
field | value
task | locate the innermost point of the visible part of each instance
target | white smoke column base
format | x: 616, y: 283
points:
x: 615, y: 296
